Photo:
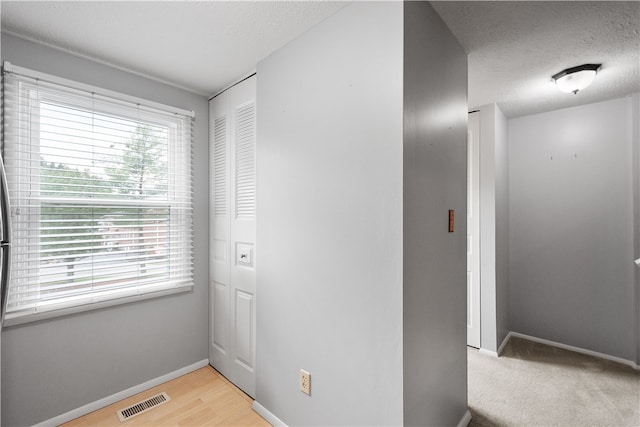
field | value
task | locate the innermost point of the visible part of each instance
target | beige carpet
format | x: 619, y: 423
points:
x: 533, y: 384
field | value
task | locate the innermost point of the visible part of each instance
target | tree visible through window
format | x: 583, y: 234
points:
x: 141, y: 168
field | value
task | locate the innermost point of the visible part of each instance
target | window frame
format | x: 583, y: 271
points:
x: 107, y: 104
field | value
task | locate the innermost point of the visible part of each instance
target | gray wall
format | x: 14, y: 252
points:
x: 348, y: 236
x: 571, y: 227
x: 54, y: 366
x: 635, y: 135
x: 329, y: 292
x: 494, y: 227
x: 502, y: 226
x: 435, y: 170
x: 488, y: 290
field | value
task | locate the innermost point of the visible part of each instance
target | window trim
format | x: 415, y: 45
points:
x: 8, y: 67
x: 44, y: 315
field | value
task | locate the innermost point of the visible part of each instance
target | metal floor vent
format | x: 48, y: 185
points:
x: 144, y: 406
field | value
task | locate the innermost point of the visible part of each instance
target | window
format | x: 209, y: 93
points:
x: 101, y: 196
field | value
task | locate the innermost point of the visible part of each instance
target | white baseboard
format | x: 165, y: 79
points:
x: 503, y: 343
x: 616, y: 359
x: 277, y: 422
x: 496, y: 353
x: 466, y: 419
x: 106, y: 401
x: 487, y: 352
x: 264, y: 413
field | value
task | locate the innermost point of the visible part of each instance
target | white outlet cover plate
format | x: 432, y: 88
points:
x: 307, y: 389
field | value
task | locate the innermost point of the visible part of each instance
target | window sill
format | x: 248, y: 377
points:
x: 22, y: 319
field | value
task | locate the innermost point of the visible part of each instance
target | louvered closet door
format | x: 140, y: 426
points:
x: 233, y: 234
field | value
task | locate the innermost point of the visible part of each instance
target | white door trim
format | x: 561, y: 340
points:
x: 473, y: 231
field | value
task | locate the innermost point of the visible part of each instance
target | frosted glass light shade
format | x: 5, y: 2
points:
x: 575, y: 79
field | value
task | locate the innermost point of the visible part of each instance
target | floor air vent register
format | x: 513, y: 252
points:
x: 144, y: 406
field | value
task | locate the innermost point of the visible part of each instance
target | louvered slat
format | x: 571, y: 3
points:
x: 245, y: 162
x: 220, y: 166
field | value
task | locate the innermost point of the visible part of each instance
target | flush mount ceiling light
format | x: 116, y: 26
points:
x: 576, y: 78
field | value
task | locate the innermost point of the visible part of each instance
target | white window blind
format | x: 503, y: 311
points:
x: 101, y: 196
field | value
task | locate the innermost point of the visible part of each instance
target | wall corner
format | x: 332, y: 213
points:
x: 434, y: 181
x: 635, y: 168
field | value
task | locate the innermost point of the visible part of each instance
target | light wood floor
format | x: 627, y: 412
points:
x: 200, y: 398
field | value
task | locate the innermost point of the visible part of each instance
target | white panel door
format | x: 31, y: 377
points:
x: 473, y: 231
x: 233, y: 234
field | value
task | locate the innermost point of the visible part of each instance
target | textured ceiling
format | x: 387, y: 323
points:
x: 515, y: 47
x: 202, y: 46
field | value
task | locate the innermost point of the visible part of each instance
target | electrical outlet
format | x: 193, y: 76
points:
x: 305, y: 382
